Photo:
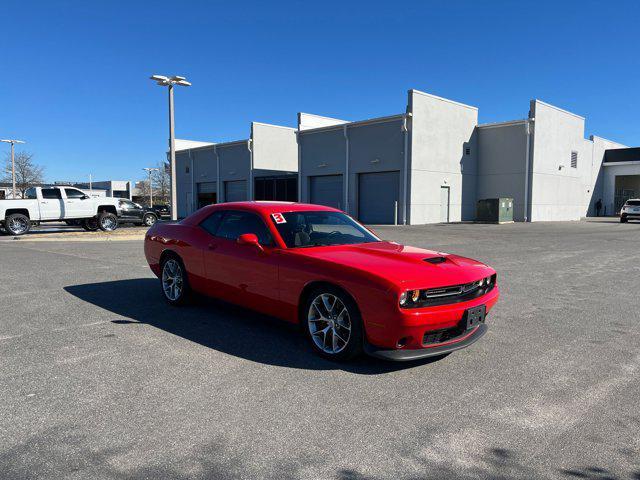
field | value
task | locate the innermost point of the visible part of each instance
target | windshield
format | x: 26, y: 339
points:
x: 319, y: 229
x: 633, y: 203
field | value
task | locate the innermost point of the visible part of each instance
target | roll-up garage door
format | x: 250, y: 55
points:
x: 207, y: 194
x: 326, y: 190
x: 235, y: 191
x: 378, y: 197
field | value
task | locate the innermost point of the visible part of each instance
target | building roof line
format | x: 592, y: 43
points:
x: 508, y: 123
x: 537, y: 100
x: 272, y: 125
x: 442, y: 99
x: 358, y: 123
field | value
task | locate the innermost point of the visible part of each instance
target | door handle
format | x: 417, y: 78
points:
x: 212, y: 246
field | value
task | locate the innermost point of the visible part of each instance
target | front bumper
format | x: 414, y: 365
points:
x: 398, y: 355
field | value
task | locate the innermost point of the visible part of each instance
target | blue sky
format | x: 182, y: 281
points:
x: 74, y: 80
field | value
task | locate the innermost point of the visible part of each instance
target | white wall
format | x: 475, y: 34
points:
x: 274, y: 147
x: 440, y: 131
x: 558, y: 192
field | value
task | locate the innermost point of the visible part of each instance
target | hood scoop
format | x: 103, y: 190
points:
x: 435, y: 260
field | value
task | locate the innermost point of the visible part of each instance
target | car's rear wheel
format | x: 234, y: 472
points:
x: 175, y: 285
x: 17, y: 224
x: 107, y: 222
x: 149, y: 219
x: 333, y: 324
x: 90, y: 224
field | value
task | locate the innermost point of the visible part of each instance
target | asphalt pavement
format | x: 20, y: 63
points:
x: 99, y: 378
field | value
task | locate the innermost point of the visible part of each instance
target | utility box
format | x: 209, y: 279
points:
x: 495, y: 210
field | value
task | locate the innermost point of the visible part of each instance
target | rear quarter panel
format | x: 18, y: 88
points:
x: 186, y: 241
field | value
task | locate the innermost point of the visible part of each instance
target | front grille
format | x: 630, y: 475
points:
x: 444, y: 335
x: 454, y: 293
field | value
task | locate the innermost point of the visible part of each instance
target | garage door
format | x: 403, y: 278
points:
x: 235, y: 191
x: 378, y: 197
x: 207, y: 194
x: 326, y: 190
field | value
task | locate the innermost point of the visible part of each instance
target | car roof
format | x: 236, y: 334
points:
x: 269, y: 207
x: 633, y: 199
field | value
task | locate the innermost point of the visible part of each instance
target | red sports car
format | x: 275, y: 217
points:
x: 316, y: 266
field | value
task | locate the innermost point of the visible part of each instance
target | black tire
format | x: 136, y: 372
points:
x: 107, y: 222
x: 90, y: 224
x: 623, y: 220
x: 149, y: 219
x: 174, y: 268
x: 17, y: 224
x: 327, y: 345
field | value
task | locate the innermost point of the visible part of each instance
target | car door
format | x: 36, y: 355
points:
x: 51, y: 205
x: 77, y: 204
x: 130, y: 212
x: 241, y: 274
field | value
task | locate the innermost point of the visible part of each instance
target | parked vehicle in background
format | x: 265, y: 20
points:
x: 316, y: 266
x: 630, y: 210
x: 55, y: 204
x: 135, y: 213
x: 163, y: 211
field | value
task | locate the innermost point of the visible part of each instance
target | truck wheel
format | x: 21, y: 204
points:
x: 90, y: 224
x: 17, y: 224
x: 107, y: 222
x: 149, y: 219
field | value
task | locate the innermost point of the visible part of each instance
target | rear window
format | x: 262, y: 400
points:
x: 633, y: 203
x: 51, y: 193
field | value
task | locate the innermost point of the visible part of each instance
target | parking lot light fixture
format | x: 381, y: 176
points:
x: 149, y: 170
x: 13, y: 164
x: 165, y: 81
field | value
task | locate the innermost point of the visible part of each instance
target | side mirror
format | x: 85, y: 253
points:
x: 250, y: 239
x: 85, y: 197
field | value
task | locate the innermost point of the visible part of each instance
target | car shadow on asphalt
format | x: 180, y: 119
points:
x: 221, y: 326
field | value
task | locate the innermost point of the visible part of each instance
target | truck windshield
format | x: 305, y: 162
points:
x: 319, y: 229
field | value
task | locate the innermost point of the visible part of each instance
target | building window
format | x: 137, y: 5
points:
x: 574, y: 159
x: 467, y: 151
x: 186, y: 169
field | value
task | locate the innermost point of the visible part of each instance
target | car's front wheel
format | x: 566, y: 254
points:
x: 175, y: 285
x: 333, y: 324
x: 623, y: 219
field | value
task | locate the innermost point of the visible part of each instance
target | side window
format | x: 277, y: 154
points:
x: 51, y: 193
x: 30, y: 193
x: 212, y: 222
x: 73, y: 193
x: 234, y: 224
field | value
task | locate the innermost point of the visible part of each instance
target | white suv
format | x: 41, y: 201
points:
x: 630, y: 210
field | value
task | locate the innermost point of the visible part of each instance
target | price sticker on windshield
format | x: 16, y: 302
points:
x: 278, y: 218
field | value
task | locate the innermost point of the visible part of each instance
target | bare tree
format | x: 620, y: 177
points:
x: 28, y: 174
x: 161, y: 180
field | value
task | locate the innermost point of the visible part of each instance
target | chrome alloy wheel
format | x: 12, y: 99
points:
x: 172, y: 281
x: 19, y: 225
x: 329, y: 323
x: 108, y: 223
x: 149, y: 220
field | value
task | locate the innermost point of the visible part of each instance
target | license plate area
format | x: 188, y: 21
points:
x: 475, y: 316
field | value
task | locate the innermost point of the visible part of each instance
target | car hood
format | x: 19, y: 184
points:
x: 409, y: 267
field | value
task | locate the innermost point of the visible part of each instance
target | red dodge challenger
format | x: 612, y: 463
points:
x: 316, y: 266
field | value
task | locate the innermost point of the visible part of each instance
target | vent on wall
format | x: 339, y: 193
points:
x: 574, y: 159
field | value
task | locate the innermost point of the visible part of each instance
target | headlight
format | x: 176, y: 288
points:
x: 409, y: 296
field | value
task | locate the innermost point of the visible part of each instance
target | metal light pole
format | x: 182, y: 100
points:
x: 13, y: 165
x: 170, y: 82
x: 149, y: 170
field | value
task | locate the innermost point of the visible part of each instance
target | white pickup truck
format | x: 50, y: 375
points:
x: 55, y: 204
